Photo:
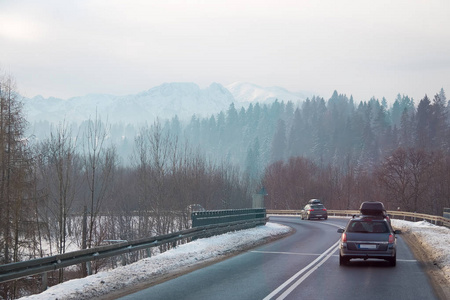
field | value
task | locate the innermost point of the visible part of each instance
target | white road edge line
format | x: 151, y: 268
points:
x: 326, y: 254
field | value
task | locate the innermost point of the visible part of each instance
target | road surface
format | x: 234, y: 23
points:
x: 303, y: 265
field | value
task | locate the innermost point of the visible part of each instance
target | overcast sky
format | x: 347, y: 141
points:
x: 357, y: 47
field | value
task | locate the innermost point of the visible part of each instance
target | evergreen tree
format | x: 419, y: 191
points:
x: 423, y: 130
x: 296, y: 141
x: 396, y: 112
x: 406, y: 130
x: 438, y: 122
x: 252, y: 163
x: 279, y: 142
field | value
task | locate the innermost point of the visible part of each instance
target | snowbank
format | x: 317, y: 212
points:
x: 434, y: 240
x: 182, y: 257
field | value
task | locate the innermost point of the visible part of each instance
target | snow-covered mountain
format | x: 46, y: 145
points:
x: 246, y: 93
x: 163, y: 102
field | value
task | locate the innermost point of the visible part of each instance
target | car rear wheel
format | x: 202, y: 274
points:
x: 393, y: 261
x: 343, y: 260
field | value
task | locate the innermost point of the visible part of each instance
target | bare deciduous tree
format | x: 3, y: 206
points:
x: 61, y: 168
x: 405, y: 177
x: 99, y: 163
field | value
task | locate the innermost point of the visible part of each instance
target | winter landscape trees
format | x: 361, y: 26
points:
x: 88, y: 184
x: 15, y: 168
x: 68, y: 191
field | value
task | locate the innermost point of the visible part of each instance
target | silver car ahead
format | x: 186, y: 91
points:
x: 368, y: 237
x: 314, y: 211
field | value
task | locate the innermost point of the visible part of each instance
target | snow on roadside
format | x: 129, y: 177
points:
x: 435, y: 240
x: 183, y: 256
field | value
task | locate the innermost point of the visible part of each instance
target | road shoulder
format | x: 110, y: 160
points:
x: 160, y: 278
x: 436, y: 275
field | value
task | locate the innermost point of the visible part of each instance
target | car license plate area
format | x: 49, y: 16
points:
x: 367, y: 246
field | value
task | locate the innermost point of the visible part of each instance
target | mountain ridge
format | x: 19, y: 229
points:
x: 183, y: 99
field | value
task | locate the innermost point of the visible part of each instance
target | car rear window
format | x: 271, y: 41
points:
x: 368, y: 227
x: 317, y: 206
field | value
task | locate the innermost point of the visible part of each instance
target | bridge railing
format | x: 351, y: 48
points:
x: 209, y: 217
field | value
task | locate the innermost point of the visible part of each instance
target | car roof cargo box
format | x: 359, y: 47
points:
x: 314, y: 201
x: 372, y: 208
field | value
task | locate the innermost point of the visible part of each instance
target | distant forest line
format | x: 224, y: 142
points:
x: 332, y: 131
x: 336, y: 135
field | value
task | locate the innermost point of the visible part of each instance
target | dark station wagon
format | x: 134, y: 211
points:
x: 368, y: 237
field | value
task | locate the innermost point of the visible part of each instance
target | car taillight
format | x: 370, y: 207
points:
x: 324, y: 209
x: 391, y: 239
x: 344, y: 238
x: 311, y: 209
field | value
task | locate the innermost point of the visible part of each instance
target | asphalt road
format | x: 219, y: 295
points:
x: 303, y: 265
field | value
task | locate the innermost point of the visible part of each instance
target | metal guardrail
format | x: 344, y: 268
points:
x: 209, y: 217
x: 438, y: 220
x: 18, y: 270
x: 298, y: 211
x: 446, y: 212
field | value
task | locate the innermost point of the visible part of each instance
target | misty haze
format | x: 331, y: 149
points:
x: 124, y: 122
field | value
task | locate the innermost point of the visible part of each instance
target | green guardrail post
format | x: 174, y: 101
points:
x: 89, y: 268
x: 44, y: 283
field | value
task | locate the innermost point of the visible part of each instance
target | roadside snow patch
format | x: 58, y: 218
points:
x: 435, y: 240
x: 144, y: 270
